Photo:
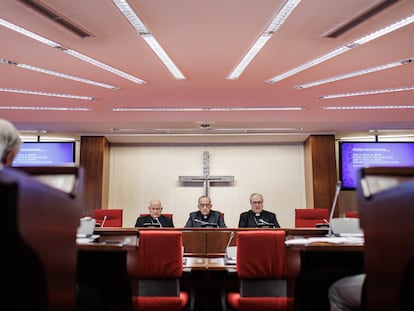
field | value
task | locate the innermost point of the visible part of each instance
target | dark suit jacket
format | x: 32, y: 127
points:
x: 196, y: 220
x: 146, y: 221
x: 248, y: 220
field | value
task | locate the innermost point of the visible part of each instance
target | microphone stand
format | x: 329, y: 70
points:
x: 338, y: 189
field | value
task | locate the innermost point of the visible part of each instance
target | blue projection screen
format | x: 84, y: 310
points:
x: 45, y: 153
x: 355, y: 155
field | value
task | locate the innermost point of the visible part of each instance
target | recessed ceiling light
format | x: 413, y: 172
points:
x: 148, y: 37
x: 270, y: 29
x: 374, y: 35
x: 57, y: 74
x: 73, y: 53
x: 368, y: 92
x: 368, y: 107
x: 45, y: 108
x: 205, y: 109
x: 356, y: 73
x: 30, y: 92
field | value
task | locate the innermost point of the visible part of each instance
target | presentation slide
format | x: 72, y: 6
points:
x: 45, y: 153
x: 355, y: 155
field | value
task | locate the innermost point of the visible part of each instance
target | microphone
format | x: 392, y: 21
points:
x: 264, y: 222
x: 205, y: 223
x: 337, y: 190
x: 201, y: 221
x: 158, y: 222
x: 103, y: 221
x: 229, y: 241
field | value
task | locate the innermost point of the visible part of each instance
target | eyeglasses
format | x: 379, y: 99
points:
x: 257, y: 202
x: 156, y: 208
x: 206, y: 205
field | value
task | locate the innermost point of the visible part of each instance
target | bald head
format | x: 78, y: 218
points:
x: 10, y: 142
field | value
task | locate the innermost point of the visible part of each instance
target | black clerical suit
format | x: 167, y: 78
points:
x: 197, y: 220
x: 148, y: 221
x: 264, y: 220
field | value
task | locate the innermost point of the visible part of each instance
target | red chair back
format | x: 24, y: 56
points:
x: 108, y: 217
x: 309, y: 217
x: 261, y: 257
x: 155, y: 269
x: 352, y: 214
x: 261, y: 254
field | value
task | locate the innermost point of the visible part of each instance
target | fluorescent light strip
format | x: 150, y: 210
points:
x: 70, y: 52
x: 28, y: 33
x: 57, y: 74
x: 44, y: 108
x: 343, y: 49
x: 356, y: 73
x: 182, y: 109
x: 367, y: 107
x: 145, y: 33
x: 103, y: 66
x: 162, y: 55
x: 276, y: 22
x: 371, y: 92
x: 209, y: 131
x: 8, y: 90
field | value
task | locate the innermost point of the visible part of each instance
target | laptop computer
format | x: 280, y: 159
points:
x: 346, y: 227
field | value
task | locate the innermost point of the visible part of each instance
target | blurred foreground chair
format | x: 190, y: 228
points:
x: 155, y: 269
x: 108, y: 217
x: 385, y: 203
x: 310, y: 217
x: 262, y: 271
x: 39, y: 258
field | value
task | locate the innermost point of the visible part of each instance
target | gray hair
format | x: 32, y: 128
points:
x: 9, y: 139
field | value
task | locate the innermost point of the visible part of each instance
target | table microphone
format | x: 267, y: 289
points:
x: 229, y: 241
x: 264, y: 222
x: 158, y: 221
x: 205, y: 223
x: 338, y: 189
x: 103, y: 221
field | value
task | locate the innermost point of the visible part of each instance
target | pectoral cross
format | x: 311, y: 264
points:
x: 206, y: 179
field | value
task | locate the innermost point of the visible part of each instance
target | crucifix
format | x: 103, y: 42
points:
x: 206, y: 179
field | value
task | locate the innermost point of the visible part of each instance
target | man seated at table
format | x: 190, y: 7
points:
x: 257, y: 217
x: 205, y: 216
x: 155, y: 217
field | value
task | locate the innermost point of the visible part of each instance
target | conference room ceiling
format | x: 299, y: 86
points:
x: 206, y: 40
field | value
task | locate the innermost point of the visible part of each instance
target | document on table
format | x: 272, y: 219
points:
x: 329, y: 240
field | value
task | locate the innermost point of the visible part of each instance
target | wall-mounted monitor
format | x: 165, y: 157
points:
x: 45, y: 153
x: 355, y: 155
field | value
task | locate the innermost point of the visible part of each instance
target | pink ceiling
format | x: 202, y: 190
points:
x: 206, y: 39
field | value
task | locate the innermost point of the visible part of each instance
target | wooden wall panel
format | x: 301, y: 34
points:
x: 94, y: 158
x: 320, y: 167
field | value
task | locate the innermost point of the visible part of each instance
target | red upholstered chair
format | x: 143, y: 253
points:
x: 352, y: 214
x: 155, y: 269
x: 108, y: 217
x: 309, y: 217
x: 262, y: 272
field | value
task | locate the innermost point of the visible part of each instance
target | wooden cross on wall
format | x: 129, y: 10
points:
x: 206, y: 179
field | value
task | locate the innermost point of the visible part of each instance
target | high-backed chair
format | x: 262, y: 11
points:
x: 39, y: 230
x: 352, y: 214
x: 155, y: 269
x: 262, y: 272
x: 309, y: 217
x: 108, y: 217
x: 385, y: 202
